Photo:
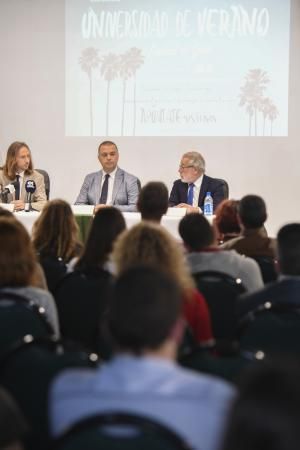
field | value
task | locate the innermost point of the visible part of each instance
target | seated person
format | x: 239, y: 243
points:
x: 204, y: 253
x: 190, y: 191
x: 253, y: 240
x: 153, y: 201
x: 17, y: 170
x: 286, y: 289
x: 145, y: 324
x: 226, y: 220
x: 111, y: 185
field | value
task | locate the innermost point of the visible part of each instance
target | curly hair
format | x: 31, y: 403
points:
x: 149, y: 244
x: 55, y: 232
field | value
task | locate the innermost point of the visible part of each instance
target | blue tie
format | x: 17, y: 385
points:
x: 190, y: 196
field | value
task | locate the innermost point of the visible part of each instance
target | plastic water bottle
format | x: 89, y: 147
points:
x: 208, y: 205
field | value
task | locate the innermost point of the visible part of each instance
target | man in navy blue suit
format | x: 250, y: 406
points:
x: 190, y: 191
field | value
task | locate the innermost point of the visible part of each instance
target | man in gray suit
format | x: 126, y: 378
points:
x: 111, y: 185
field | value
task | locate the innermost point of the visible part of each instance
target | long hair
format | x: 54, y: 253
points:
x: 149, y: 244
x: 10, y: 166
x: 108, y: 223
x: 17, y: 256
x: 55, y: 232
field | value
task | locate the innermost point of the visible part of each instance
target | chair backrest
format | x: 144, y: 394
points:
x: 225, y: 187
x: 267, y: 268
x: 273, y: 328
x: 18, y: 317
x: 134, y: 432
x: 46, y: 181
x: 221, y: 292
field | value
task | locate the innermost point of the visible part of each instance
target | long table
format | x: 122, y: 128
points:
x: 131, y: 218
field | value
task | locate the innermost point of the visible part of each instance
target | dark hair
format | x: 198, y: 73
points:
x: 10, y: 166
x: 107, y: 143
x: 196, y: 232
x: 108, y: 223
x: 5, y: 213
x: 153, y: 201
x: 17, y: 257
x: 288, y: 248
x: 145, y: 304
x: 12, y: 423
x: 266, y: 413
x: 252, y: 211
x: 55, y: 232
x: 227, y: 217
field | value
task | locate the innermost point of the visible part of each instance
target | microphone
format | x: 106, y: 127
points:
x: 30, y: 188
x: 9, y: 189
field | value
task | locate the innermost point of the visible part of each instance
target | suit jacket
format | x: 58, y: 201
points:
x: 38, y: 198
x: 212, y: 185
x: 285, y: 290
x: 125, y: 190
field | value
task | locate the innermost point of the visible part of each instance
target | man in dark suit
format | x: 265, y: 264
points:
x: 110, y: 186
x: 190, y: 191
x: 287, y: 288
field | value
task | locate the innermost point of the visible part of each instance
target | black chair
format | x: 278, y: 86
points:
x: 273, y: 327
x: 221, y: 292
x: 54, y: 268
x: 134, y: 432
x: 27, y: 369
x: 225, y: 187
x: 46, y: 181
x: 267, y: 268
x: 19, y: 317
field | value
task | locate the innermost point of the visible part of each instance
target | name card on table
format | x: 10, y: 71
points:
x: 83, y: 210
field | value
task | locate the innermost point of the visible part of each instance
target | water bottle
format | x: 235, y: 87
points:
x: 208, y: 205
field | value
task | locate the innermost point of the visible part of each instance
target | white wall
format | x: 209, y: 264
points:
x: 32, y: 109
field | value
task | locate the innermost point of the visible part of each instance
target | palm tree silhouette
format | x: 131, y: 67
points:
x: 130, y: 63
x: 109, y: 70
x: 272, y: 115
x: 265, y: 108
x: 88, y: 61
x: 252, y: 92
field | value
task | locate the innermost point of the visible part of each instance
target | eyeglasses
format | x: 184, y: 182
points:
x: 182, y: 167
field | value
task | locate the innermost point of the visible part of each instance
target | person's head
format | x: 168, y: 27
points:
x: 108, y: 155
x: 196, y: 232
x: 18, y: 159
x: 192, y: 166
x: 55, y: 232
x: 108, y: 223
x: 13, y: 426
x: 288, y: 249
x: 144, y: 310
x: 5, y: 213
x: 266, y: 412
x: 151, y: 245
x: 252, y: 212
x: 226, y: 219
x: 153, y: 201
x: 17, y: 257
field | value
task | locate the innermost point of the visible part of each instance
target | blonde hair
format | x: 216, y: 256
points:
x: 151, y: 245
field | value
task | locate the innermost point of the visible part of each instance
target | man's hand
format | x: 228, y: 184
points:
x: 100, y: 206
x: 189, y: 209
x: 19, y: 205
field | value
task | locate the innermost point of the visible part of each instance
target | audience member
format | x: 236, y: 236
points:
x: 266, y: 413
x: 226, y: 220
x: 150, y: 244
x: 204, y: 253
x: 17, y: 170
x: 81, y: 296
x: 111, y: 185
x: 12, y: 423
x: 153, y: 201
x: 18, y: 268
x: 286, y: 289
x: 143, y: 378
x: 190, y: 190
x: 253, y: 240
x: 55, y: 238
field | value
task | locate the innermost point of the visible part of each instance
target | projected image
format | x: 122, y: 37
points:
x: 202, y: 68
